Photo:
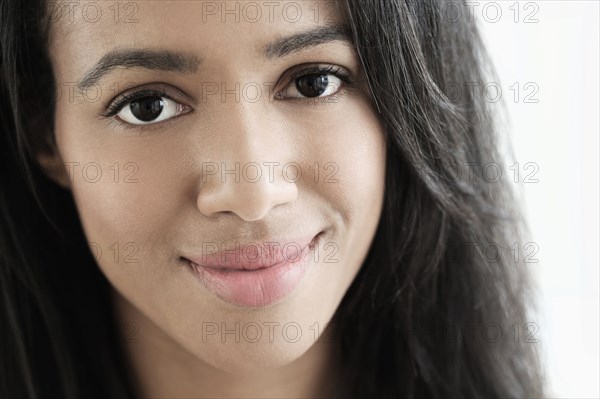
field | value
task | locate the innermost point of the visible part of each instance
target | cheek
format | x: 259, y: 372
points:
x: 354, y: 177
x: 125, y: 190
x: 352, y: 155
x: 353, y: 185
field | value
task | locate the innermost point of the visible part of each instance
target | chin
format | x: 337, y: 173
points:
x: 250, y: 358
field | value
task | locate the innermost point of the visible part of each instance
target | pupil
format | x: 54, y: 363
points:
x: 312, y: 85
x: 147, y: 109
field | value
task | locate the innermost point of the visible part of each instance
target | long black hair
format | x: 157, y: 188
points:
x: 432, y: 313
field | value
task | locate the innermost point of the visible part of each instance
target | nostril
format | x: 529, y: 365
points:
x: 250, y: 201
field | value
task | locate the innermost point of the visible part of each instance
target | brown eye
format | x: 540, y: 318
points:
x: 147, y: 109
x: 313, y: 86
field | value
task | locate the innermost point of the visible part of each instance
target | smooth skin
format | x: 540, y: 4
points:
x: 146, y: 199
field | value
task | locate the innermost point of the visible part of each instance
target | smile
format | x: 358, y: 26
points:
x: 255, y: 275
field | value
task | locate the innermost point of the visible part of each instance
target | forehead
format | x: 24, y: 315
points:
x: 90, y: 27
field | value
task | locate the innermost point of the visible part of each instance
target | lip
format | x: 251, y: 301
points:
x: 255, y: 274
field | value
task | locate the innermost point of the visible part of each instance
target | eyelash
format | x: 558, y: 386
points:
x: 321, y: 70
x: 122, y: 100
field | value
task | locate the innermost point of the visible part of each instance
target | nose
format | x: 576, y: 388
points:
x: 249, y: 197
x: 253, y: 180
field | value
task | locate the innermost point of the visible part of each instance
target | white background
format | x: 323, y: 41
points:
x: 559, y: 53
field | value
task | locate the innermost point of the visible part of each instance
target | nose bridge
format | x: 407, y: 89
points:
x: 244, y: 176
x: 250, y: 133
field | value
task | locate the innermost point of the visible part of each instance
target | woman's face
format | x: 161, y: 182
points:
x: 253, y: 134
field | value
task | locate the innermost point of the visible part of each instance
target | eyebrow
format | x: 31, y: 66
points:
x: 158, y: 60
x: 300, y: 41
x: 171, y: 61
